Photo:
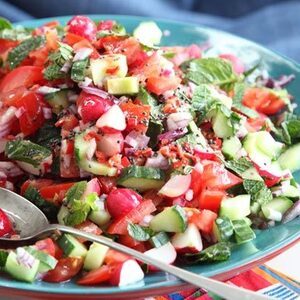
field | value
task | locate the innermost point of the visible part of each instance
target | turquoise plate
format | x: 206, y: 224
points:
x: 267, y: 244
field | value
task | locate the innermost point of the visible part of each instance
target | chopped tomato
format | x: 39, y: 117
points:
x: 89, y: 227
x: 107, y: 183
x: 105, y: 25
x: 137, y: 116
x: 71, y: 38
x: 128, y: 241
x: 5, y: 45
x: 5, y: 224
x: 196, y: 182
x: 55, y: 191
x: 263, y: 100
x: 96, y: 276
x: 254, y: 125
x: 154, y: 196
x: 136, y: 215
x: 86, y: 44
x: 211, y: 199
x: 39, y: 57
x: 46, y: 245
x: 67, y: 122
x: 36, y: 183
x: 65, y: 269
x: 204, y: 220
x: 159, y: 85
x: 113, y: 257
x: 68, y: 165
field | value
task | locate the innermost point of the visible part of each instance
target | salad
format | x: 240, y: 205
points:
x: 172, y: 151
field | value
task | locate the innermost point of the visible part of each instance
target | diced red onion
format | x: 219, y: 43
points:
x: 44, y: 90
x: 24, y: 258
x: 129, y: 151
x: 4, y: 132
x: 84, y: 174
x: 9, y: 185
x: 168, y: 94
x: 87, y: 81
x: 146, y: 221
x: 66, y: 67
x: 2, y: 175
x: 91, y: 149
x: 167, y: 72
x: 72, y: 96
x: 189, y: 195
x: 137, y: 140
x: 8, y: 116
x: 173, y: 135
x: 281, y: 82
x: 73, y: 109
x: 96, y: 91
x: 198, y: 167
x: 19, y: 112
x: 82, y: 53
x: 2, y: 144
x: 158, y: 161
x: 47, y: 112
x: 178, y: 120
x: 10, y: 169
x: 292, y: 213
x: 83, y: 125
x: 67, y: 160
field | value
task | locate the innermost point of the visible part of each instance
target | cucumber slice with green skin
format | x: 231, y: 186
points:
x: 148, y: 33
x: 255, y: 208
x: 47, y: 262
x: 275, y: 209
x: 235, y: 208
x: 19, y: 271
x: 201, y: 140
x: 3, y: 258
x: 171, y: 219
x: 220, y: 125
x: 95, y: 256
x: 266, y: 143
x: 242, y: 231
x: 58, y: 100
x: 141, y: 178
x: 290, y: 158
x: 123, y: 86
x: 159, y: 239
x: 251, y: 174
x: 223, y: 229
x: 63, y: 212
x: 100, y: 215
x: 71, y: 246
x: 231, y: 147
x: 81, y: 147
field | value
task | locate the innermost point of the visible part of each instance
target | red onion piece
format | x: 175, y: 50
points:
x: 44, y: 90
x: 98, y: 92
x: 2, y: 144
x: 82, y: 53
x: 173, y: 135
x: 92, y: 149
x: 24, y: 258
x: 292, y: 213
x: 8, y: 116
x: 47, y: 112
x: 66, y: 67
x: 137, y: 140
x: 19, y: 112
x: 178, y: 120
x: 10, y: 169
x: 158, y: 161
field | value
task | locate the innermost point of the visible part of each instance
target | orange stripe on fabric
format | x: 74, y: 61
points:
x: 288, y: 279
x: 265, y: 275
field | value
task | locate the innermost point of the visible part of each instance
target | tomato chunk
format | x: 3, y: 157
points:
x: 97, y: 276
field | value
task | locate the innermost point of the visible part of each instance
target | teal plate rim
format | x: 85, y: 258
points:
x: 267, y: 243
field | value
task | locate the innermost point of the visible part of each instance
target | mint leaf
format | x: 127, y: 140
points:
x: 20, y: 52
x: 212, y: 70
x: 5, y: 24
x: 258, y: 191
x: 238, y: 166
x: 146, y: 98
x: 64, y: 53
x: 139, y: 233
x: 47, y: 207
x: 76, y: 191
x: 53, y: 72
x: 78, y: 70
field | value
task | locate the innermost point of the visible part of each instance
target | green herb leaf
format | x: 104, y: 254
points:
x: 64, y: 53
x: 20, y: 52
x: 3, y: 258
x: 146, y: 98
x: 239, y: 166
x: 217, y: 252
x: 5, y: 24
x: 139, y: 233
x: 53, y: 72
x: 48, y: 208
x: 26, y: 151
x: 258, y: 191
x: 76, y: 191
x: 216, y: 71
x: 18, y: 33
x: 78, y: 70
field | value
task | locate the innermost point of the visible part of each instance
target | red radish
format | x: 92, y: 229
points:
x: 111, y: 143
x: 92, y: 107
x: 237, y: 64
x: 106, y: 25
x: 126, y: 273
x: 112, y: 121
x: 93, y: 186
x: 121, y: 201
x: 205, y: 154
x: 176, y: 186
x: 166, y: 253
x: 5, y: 223
x: 189, y: 241
x: 83, y: 26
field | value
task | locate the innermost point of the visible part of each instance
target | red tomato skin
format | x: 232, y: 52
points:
x: 107, y: 183
x: 83, y: 26
x: 89, y: 227
x: 65, y: 269
x: 159, y: 85
x: 97, y: 276
x: 37, y: 183
x: 56, y: 191
x: 204, y: 220
x: 113, y: 257
x: 92, y: 107
x: 120, y: 202
x: 5, y: 224
x: 105, y: 25
x: 46, y: 245
x: 211, y: 200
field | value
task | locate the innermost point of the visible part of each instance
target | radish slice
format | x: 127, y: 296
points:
x: 113, y: 119
x: 176, y: 186
x: 92, y: 187
x: 111, y: 144
x: 166, y: 253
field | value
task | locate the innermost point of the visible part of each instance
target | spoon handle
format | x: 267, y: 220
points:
x: 224, y: 290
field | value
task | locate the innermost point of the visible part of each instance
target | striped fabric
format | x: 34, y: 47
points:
x: 261, y: 279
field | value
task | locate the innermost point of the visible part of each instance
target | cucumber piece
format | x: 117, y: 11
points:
x: 266, y: 143
x: 223, y: 229
x: 231, y: 146
x: 99, y: 215
x: 71, y: 246
x: 123, y: 86
x: 290, y: 158
x: 242, y: 231
x: 3, y: 258
x: 102, y: 66
x: 146, y: 98
x: 141, y: 178
x: 255, y: 208
x: 171, y: 219
x: 251, y: 174
x: 19, y: 271
x: 235, y: 208
x: 275, y: 209
x: 95, y: 256
x: 159, y: 239
x: 47, y: 262
x: 63, y: 212
x: 81, y: 147
x: 291, y: 192
x: 220, y: 125
x: 193, y: 128
x: 58, y: 100
x: 148, y: 33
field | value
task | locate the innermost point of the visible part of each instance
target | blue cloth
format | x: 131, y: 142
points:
x: 273, y: 23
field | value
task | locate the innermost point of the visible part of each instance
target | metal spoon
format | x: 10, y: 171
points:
x: 33, y: 224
